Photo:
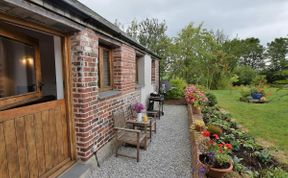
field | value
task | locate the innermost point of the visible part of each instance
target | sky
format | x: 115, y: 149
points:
x: 265, y: 19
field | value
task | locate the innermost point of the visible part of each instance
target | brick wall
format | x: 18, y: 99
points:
x: 92, y: 115
x: 124, y: 68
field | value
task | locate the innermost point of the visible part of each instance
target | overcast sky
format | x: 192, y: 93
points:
x: 265, y: 19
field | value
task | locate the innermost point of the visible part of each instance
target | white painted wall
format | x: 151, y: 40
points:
x: 144, y: 69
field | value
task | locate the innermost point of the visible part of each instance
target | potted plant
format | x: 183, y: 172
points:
x: 138, y: 108
x: 199, y: 125
x: 215, y: 156
x: 195, y: 97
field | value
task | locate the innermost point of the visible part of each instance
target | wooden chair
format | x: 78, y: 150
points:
x: 126, y: 135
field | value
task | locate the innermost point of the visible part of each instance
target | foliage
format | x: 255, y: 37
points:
x: 274, y: 173
x: 177, y: 88
x: 151, y: 33
x: 194, y: 96
x: 214, y: 129
x: 248, y: 157
x: 237, y: 166
x: 264, y: 156
x: 212, y: 100
x: 245, y: 91
x: 259, y: 119
x: 198, y: 57
x: 217, y: 153
x: 245, y: 75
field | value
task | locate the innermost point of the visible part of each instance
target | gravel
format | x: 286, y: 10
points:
x: 168, y: 155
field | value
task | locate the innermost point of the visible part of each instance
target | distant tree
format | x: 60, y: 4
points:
x: 277, y: 51
x: 151, y: 33
x: 252, y: 53
x: 246, y: 52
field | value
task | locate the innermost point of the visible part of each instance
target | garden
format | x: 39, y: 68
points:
x: 234, y: 132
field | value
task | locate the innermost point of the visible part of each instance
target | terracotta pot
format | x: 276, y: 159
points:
x: 196, y: 109
x: 216, y: 172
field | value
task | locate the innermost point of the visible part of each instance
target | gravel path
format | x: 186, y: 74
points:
x: 169, y: 154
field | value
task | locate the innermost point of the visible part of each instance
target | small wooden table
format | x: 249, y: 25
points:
x: 144, y: 125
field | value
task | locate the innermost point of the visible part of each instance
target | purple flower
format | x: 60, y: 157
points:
x: 211, y: 155
x: 202, y: 171
x: 138, y: 107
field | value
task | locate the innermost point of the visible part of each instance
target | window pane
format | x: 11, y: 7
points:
x: 17, y: 71
x: 106, y: 70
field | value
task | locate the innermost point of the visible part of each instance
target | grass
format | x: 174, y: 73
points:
x: 267, y: 122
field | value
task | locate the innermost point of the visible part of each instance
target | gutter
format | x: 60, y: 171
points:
x: 82, y: 9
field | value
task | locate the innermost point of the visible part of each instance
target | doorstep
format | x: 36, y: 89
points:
x: 82, y: 169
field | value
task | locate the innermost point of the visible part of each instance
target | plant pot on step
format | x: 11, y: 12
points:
x: 216, y: 172
x: 196, y: 109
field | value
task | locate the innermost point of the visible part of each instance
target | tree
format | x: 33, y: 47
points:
x: 199, y: 57
x: 252, y: 53
x: 277, y: 71
x: 152, y: 34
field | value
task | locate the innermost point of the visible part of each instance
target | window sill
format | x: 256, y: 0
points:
x: 108, y: 94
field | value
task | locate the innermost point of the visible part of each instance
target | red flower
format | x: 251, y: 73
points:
x: 220, y: 145
x: 216, y: 136
x: 228, y: 145
x: 206, y: 133
x: 211, y: 142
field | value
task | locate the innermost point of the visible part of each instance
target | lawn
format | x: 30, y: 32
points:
x: 268, y: 122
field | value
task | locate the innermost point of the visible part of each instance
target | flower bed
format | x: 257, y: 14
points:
x: 249, y: 158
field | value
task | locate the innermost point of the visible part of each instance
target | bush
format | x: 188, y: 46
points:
x: 212, y: 100
x: 177, y: 88
x: 245, y: 75
x: 245, y: 91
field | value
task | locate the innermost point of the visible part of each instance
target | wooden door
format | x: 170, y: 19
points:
x: 34, y: 140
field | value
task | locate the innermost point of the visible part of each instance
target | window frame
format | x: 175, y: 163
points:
x: 153, y: 71
x: 101, y: 86
x: 13, y: 101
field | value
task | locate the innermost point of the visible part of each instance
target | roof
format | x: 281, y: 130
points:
x: 89, y: 16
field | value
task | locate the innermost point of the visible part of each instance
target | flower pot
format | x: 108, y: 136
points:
x: 256, y: 95
x: 139, y: 117
x: 196, y: 109
x: 216, y: 172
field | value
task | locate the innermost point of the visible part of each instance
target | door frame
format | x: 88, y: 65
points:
x: 67, y: 70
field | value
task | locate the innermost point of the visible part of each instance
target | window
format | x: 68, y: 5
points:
x: 137, y: 70
x: 153, y: 71
x: 20, y: 73
x: 105, y: 69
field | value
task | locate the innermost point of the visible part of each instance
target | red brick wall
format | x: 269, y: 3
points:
x: 93, y: 121
x: 124, y: 63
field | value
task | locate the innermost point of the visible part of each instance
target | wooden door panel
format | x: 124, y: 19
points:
x: 33, y: 140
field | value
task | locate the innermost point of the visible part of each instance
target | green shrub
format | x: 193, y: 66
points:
x: 245, y: 91
x: 245, y: 75
x: 177, y: 88
x: 212, y: 100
